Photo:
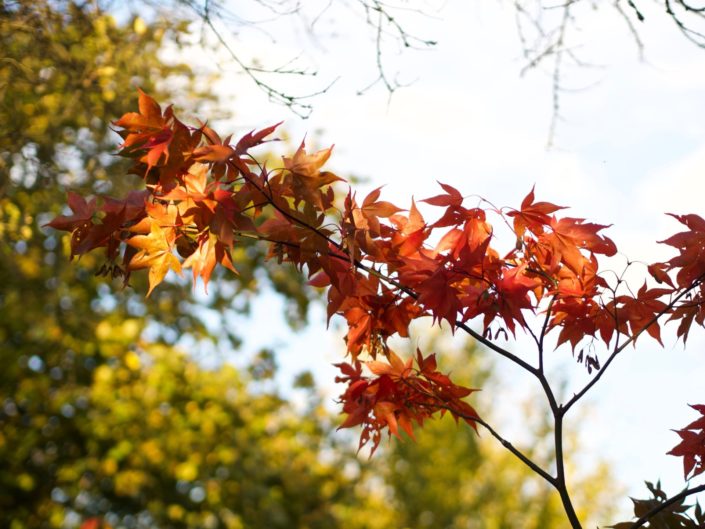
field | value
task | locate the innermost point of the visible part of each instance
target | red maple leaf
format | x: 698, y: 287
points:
x: 692, y: 445
x: 513, y: 295
x: 690, y: 262
x: 149, y: 130
x: 80, y: 223
x: 640, y: 311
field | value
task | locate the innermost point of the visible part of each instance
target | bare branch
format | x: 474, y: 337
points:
x: 630, y: 25
x: 380, y: 16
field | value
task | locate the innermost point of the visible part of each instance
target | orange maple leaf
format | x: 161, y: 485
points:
x: 148, y: 130
x: 307, y: 178
x: 532, y: 215
x: 155, y: 253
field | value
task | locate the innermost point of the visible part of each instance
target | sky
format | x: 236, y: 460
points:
x: 629, y: 147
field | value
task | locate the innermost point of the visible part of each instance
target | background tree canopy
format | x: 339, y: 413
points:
x: 62, y: 66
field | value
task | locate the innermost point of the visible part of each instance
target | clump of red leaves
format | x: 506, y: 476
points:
x: 399, y: 394
x: 204, y: 195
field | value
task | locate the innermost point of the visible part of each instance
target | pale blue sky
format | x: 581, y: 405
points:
x: 630, y: 147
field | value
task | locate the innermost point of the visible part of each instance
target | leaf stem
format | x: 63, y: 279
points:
x: 544, y: 328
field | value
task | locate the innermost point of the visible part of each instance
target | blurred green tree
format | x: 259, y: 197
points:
x: 158, y: 441
x: 61, y: 66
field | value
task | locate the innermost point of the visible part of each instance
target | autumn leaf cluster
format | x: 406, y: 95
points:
x: 398, y: 395
x: 383, y: 266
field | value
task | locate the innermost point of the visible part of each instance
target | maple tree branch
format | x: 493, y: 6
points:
x: 516, y: 452
x: 345, y: 257
x: 531, y: 333
x: 577, y: 396
x: 410, y: 292
x: 497, y: 349
x: 542, y: 274
x: 537, y: 372
x: 358, y: 264
x: 470, y: 275
x: 560, y: 483
x: 303, y: 212
x: 284, y: 212
x: 665, y: 504
x: 558, y: 411
x: 257, y: 237
x: 692, y: 304
x: 338, y: 246
x: 506, y: 444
